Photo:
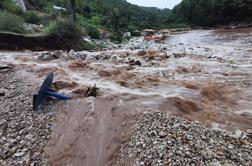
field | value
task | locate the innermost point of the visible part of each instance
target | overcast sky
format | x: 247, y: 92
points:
x: 156, y: 3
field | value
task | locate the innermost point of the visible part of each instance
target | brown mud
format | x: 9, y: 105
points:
x: 90, y: 132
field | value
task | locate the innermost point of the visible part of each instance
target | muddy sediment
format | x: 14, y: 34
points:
x: 197, y: 75
x: 90, y: 133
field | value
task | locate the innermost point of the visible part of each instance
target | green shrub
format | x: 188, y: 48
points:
x: 12, y: 23
x: 32, y: 17
x: 82, y: 21
x: 96, y: 20
x: 93, y: 32
x: 10, y: 6
x: 87, y: 46
x: 37, y: 4
x: 101, y: 46
x: 116, y: 38
x: 63, y: 29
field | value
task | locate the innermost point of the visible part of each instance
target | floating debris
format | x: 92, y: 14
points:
x: 45, y: 90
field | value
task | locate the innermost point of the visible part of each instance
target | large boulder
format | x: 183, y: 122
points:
x: 49, y: 56
x: 82, y: 55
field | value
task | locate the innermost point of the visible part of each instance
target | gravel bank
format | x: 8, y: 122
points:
x: 23, y: 132
x: 159, y: 139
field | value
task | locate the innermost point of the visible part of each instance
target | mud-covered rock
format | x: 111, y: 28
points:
x: 49, y: 56
x: 5, y: 67
x: 82, y: 55
x: 179, y: 55
x: 2, y: 92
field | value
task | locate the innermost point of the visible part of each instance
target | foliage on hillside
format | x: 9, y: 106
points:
x: 12, y: 23
x: 212, y: 12
x: 93, y: 17
x: 116, y: 15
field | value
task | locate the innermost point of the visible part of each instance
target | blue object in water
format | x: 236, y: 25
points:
x: 45, y: 90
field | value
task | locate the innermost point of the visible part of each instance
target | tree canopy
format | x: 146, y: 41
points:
x: 212, y: 12
x: 119, y: 15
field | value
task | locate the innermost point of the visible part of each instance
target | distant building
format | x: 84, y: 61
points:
x: 164, y: 32
x: 126, y: 34
x: 58, y: 8
x: 147, y: 32
x: 136, y: 33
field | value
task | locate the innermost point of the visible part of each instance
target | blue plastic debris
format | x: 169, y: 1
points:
x: 45, y: 90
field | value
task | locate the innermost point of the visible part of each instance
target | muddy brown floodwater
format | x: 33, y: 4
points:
x: 203, y: 75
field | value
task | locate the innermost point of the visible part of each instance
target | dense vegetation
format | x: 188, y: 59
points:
x: 96, y: 18
x: 11, y: 22
x: 212, y: 12
x: 109, y: 18
x: 118, y: 15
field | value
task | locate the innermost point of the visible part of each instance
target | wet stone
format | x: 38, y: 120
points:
x: 21, y: 128
x: 48, y: 56
x: 176, y: 141
x: 2, y: 92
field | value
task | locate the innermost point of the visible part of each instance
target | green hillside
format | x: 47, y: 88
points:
x: 69, y: 19
x: 212, y: 12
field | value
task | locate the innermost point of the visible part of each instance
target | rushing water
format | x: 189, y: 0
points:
x: 210, y: 81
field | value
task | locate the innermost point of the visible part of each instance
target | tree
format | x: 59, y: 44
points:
x: 213, y: 12
x: 115, y: 17
x: 73, y: 8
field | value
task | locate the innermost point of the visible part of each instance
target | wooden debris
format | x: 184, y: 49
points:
x: 92, y: 91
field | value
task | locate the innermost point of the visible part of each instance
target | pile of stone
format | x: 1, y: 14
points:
x: 161, y: 139
x: 23, y: 132
x: 139, y: 43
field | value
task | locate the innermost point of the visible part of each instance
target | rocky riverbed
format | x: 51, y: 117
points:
x: 23, y: 133
x: 162, y: 139
x: 143, y: 89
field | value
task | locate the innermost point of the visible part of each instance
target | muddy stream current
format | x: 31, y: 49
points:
x: 203, y: 75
